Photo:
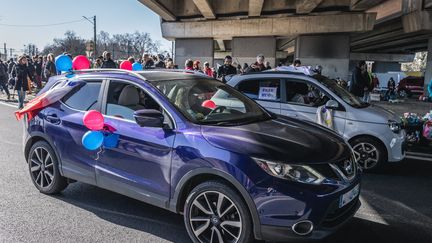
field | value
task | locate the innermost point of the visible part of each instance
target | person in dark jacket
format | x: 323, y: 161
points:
x: 358, y: 81
x: 4, y: 78
x: 226, y: 69
x: 22, y: 74
x: 257, y: 66
x: 108, y: 62
x: 50, y: 67
x: 160, y: 63
x: 148, y: 62
x: 38, y: 71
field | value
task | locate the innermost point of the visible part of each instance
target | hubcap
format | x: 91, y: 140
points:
x: 366, y: 155
x: 41, y: 167
x: 213, y: 217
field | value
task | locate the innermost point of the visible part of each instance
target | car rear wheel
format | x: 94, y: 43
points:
x: 214, y: 212
x: 369, y: 154
x: 44, y: 170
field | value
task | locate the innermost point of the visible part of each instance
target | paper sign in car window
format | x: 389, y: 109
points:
x: 267, y: 93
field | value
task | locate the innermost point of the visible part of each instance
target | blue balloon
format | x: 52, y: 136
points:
x: 111, y: 140
x: 137, y: 66
x: 92, y: 140
x: 63, y: 63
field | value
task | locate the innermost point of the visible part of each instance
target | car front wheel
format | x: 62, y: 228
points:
x: 44, y: 170
x: 369, y: 154
x: 215, y: 213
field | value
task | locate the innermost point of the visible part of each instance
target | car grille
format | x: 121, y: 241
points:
x: 336, y: 216
x: 341, y: 171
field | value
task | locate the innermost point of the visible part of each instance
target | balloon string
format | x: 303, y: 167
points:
x: 99, y: 153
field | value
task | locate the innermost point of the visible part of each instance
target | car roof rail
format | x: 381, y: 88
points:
x: 116, y: 70
x: 175, y: 71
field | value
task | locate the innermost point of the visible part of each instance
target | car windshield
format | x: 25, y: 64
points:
x: 342, y: 93
x: 205, y: 101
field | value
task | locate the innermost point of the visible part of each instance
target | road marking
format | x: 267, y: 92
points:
x: 6, y: 104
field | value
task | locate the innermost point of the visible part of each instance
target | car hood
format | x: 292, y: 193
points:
x: 373, y: 114
x: 282, y: 139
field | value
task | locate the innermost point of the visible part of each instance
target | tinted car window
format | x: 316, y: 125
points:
x: 84, y: 98
x: 261, y: 89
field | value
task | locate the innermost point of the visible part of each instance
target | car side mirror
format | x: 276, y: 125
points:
x: 149, y: 118
x: 332, y: 105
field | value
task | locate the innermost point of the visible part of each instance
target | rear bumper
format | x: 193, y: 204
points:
x: 278, y: 233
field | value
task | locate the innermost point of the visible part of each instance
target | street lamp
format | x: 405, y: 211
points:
x: 94, y: 33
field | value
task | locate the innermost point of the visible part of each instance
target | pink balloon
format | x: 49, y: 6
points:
x: 209, y: 104
x: 80, y: 62
x: 93, y: 120
x: 126, y: 65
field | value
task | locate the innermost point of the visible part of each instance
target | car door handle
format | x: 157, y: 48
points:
x: 52, y: 118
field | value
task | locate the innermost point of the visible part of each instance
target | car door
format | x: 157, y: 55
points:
x: 265, y: 91
x: 302, y: 99
x: 139, y: 166
x: 63, y: 122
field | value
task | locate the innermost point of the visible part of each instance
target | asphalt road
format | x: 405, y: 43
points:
x: 397, y: 206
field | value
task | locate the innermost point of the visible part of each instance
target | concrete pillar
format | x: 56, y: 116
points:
x: 332, y: 52
x: 195, y: 49
x: 246, y: 49
x: 428, y: 72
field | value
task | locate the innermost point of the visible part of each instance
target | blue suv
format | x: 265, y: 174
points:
x: 236, y: 172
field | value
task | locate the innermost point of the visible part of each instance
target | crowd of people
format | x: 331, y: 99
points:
x: 30, y: 73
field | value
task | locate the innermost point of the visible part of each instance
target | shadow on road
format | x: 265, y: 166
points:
x: 127, y: 212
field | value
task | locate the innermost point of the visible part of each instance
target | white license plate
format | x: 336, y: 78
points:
x: 349, y: 196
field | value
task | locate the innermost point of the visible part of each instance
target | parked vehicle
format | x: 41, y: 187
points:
x: 235, y: 173
x: 410, y: 86
x: 374, y: 133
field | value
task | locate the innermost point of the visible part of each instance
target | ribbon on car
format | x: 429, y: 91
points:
x: 32, y: 108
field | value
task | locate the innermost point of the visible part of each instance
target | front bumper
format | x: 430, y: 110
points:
x: 278, y: 233
x: 279, y: 212
x: 397, y: 147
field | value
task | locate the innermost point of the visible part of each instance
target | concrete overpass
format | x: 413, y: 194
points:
x: 330, y: 33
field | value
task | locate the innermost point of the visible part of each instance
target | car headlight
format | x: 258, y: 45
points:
x: 293, y: 172
x: 394, y: 126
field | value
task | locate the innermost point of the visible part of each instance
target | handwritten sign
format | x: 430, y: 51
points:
x: 267, y: 93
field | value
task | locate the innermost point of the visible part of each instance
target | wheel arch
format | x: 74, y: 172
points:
x: 36, y: 137
x: 197, y: 176
x: 376, y: 139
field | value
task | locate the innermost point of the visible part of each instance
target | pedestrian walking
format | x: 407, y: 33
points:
x: 50, y: 68
x: 358, y: 81
x: 4, y: 79
x: 189, y: 65
x: 159, y: 61
x: 22, y: 74
x: 38, y: 71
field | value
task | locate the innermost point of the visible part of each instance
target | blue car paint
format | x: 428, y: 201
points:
x: 155, y: 164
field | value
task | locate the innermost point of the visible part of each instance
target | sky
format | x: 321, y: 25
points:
x: 113, y: 16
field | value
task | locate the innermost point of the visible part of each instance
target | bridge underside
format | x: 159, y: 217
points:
x: 331, y: 33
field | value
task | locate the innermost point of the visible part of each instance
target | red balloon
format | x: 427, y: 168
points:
x: 80, y: 62
x: 93, y: 120
x: 126, y: 65
x: 209, y: 104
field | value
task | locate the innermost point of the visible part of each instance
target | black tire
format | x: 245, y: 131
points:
x: 47, y: 179
x: 240, y: 213
x: 361, y: 152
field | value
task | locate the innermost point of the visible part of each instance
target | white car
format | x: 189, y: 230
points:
x: 374, y: 133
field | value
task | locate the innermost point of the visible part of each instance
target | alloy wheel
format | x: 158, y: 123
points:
x: 366, y: 154
x: 42, y: 167
x: 214, y: 217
